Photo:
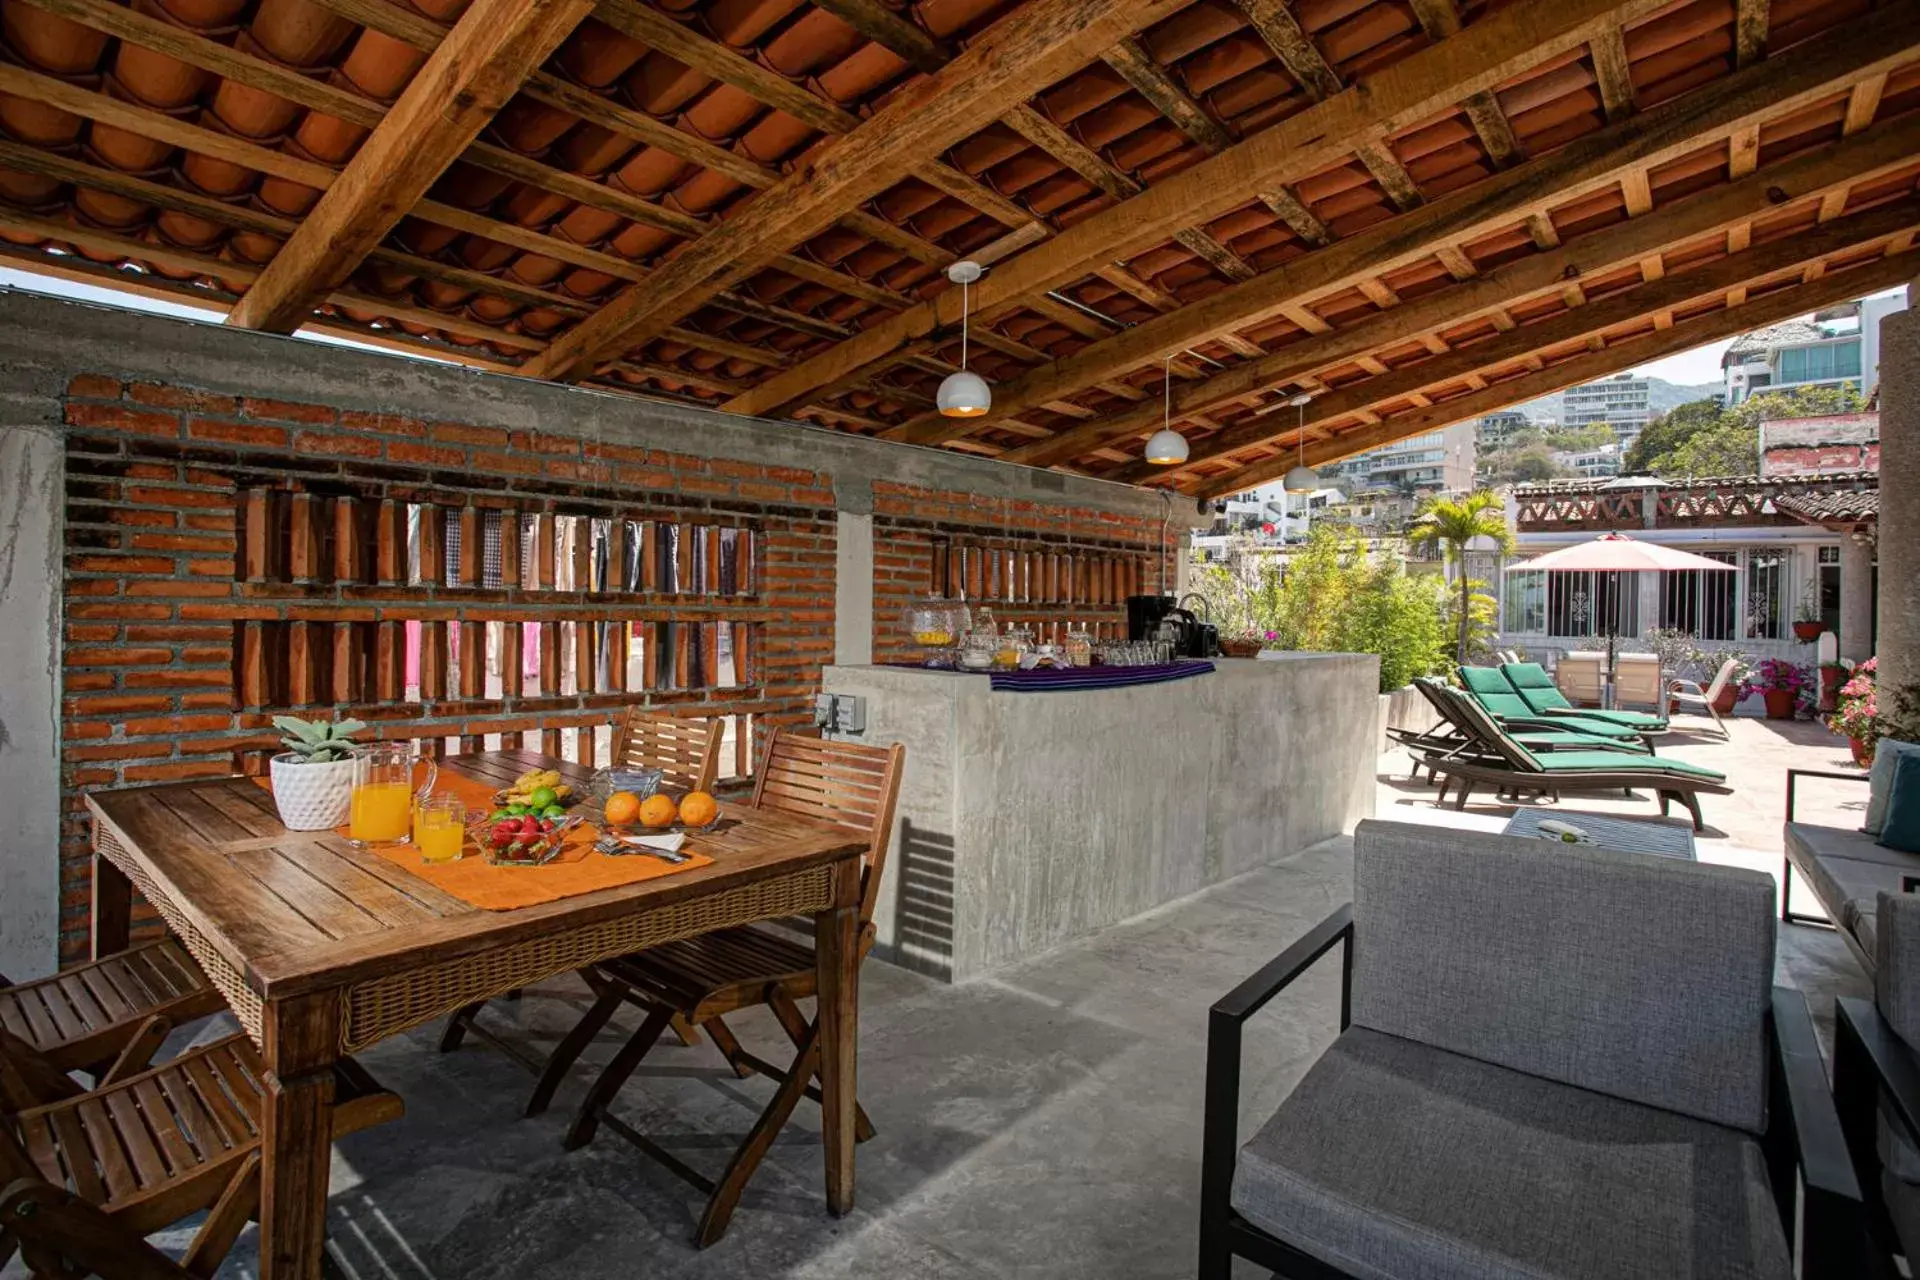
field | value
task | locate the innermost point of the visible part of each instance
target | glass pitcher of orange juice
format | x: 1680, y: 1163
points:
x: 381, y: 811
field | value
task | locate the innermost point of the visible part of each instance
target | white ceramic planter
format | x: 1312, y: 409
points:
x: 311, y: 797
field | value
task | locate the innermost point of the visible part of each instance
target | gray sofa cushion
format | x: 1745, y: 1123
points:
x: 1895, y: 929
x: 1847, y: 871
x: 1642, y: 977
x: 1886, y: 755
x: 1395, y: 1159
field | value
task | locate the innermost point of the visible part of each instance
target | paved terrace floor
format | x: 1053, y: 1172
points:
x: 1044, y: 1123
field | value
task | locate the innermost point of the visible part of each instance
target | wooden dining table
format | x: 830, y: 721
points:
x: 323, y: 949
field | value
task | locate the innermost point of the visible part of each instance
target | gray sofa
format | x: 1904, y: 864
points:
x: 1876, y: 1082
x: 1845, y: 869
x: 1554, y: 1061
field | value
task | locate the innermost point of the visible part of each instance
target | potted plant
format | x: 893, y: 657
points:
x: 1858, y: 716
x: 1832, y: 676
x: 1706, y: 665
x: 1807, y: 625
x: 313, y: 777
x: 1780, y: 684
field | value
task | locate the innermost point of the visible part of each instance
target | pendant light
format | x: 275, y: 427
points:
x: 963, y: 393
x: 1167, y: 447
x: 1302, y: 478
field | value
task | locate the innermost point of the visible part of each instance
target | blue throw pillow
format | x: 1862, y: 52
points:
x: 1880, y: 783
x: 1902, y: 829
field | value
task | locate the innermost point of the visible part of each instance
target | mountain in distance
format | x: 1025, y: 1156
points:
x: 1661, y: 396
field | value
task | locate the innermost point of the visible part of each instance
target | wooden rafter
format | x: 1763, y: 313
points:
x: 1676, y: 128
x: 1771, y: 308
x: 1810, y: 174
x: 1036, y: 44
x: 1505, y: 348
x: 1485, y: 54
x: 1440, y: 19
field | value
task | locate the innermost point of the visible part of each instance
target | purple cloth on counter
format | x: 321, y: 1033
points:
x: 1049, y: 679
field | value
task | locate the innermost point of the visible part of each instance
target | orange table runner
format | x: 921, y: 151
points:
x: 578, y: 869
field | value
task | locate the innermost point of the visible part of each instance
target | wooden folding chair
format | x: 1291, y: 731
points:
x: 86, y: 1176
x: 705, y: 978
x: 83, y: 1018
x: 686, y: 751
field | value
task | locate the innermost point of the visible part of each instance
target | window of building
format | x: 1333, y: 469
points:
x: 1822, y: 363
x: 1702, y: 600
x: 1766, y: 594
x: 1582, y: 604
x: 1523, y: 605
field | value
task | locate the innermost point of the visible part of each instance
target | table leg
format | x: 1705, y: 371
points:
x: 296, y: 1139
x: 837, y: 979
x: 112, y: 907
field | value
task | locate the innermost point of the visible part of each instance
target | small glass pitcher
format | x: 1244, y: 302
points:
x: 381, y: 811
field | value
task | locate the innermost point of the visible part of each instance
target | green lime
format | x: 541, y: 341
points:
x: 554, y: 811
x: 498, y: 814
x: 541, y: 798
x: 516, y: 810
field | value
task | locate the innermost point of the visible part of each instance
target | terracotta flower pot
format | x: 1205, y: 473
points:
x: 1780, y: 703
x: 1862, y: 752
x: 1725, y: 700
x: 1830, y: 682
x: 1808, y: 632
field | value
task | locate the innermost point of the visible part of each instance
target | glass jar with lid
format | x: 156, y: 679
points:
x: 1079, y: 647
x: 1012, y: 645
x: 934, y: 625
x: 976, y: 652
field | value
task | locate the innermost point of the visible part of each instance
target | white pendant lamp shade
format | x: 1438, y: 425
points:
x: 1166, y: 447
x: 1301, y: 478
x: 963, y: 393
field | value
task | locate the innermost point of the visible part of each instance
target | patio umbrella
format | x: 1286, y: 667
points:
x: 1617, y: 553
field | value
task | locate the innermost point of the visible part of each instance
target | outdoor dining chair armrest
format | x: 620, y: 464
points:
x: 1809, y: 1140
x: 1794, y: 775
x: 1863, y: 1038
x: 1220, y: 1140
x: 42, y: 1217
x: 1680, y: 684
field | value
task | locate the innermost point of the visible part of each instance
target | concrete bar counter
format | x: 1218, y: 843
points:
x: 1029, y: 818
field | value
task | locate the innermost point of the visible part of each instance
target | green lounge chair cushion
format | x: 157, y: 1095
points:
x: 1497, y: 698
x: 1609, y: 761
x: 1542, y: 697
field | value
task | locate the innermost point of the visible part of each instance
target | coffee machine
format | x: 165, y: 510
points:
x: 1192, y: 638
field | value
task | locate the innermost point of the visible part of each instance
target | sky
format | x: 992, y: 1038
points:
x: 1689, y: 368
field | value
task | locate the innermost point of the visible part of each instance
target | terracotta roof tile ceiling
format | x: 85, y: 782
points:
x: 1206, y: 184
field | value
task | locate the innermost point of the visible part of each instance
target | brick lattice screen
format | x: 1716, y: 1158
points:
x: 469, y: 586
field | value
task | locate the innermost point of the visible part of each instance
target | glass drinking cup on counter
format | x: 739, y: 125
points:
x: 440, y: 828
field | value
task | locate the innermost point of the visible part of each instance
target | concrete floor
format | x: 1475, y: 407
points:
x: 1044, y: 1122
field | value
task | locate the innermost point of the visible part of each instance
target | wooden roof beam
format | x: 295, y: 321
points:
x: 1675, y: 128
x: 1809, y: 174
x: 471, y: 75
x: 1709, y: 280
x: 1037, y: 44
x: 1489, y: 52
x: 1771, y: 308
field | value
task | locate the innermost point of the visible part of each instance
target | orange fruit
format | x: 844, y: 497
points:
x: 698, y: 809
x: 657, y: 811
x: 622, y: 807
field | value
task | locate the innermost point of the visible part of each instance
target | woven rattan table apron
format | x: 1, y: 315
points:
x: 322, y: 949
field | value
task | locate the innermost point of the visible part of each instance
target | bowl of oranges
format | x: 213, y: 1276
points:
x: 660, y: 813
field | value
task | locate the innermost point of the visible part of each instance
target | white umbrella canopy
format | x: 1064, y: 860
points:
x: 1618, y: 553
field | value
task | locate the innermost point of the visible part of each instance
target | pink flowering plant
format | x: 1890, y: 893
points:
x: 1777, y: 675
x: 1858, y: 715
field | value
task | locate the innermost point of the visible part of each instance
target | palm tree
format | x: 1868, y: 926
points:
x: 1454, y: 524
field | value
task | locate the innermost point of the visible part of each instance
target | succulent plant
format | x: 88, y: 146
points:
x: 318, y: 741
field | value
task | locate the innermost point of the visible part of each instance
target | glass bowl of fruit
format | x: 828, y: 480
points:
x: 628, y: 813
x: 521, y: 840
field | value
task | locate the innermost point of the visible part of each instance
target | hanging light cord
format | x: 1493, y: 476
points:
x: 1167, y: 388
x: 1300, y: 434
x: 964, y: 307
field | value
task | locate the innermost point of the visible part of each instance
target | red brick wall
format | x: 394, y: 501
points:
x: 1048, y: 567
x: 225, y: 562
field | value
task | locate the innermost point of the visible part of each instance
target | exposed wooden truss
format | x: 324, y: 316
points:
x: 1398, y: 233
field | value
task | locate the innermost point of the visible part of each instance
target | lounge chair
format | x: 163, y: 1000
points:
x: 1498, y: 698
x: 1537, y: 689
x: 1455, y: 730
x: 1691, y: 697
x: 1509, y: 767
x: 1637, y: 682
x: 1582, y: 677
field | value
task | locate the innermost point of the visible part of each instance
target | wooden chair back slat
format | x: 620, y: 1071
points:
x: 845, y: 783
x: 686, y: 751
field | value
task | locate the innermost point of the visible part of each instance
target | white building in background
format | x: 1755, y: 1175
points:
x: 1434, y: 462
x: 1838, y: 346
x: 1496, y: 429
x: 1622, y: 402
x: 1591, y: 464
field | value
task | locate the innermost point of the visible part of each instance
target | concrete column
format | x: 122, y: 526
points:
x: 1899, y: 609
x: 32, y: 484
x: 853, y: 588
x: 1856, y: 599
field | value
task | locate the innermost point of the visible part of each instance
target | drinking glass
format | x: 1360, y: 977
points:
x: 381, y: 810
x: 440, y: 828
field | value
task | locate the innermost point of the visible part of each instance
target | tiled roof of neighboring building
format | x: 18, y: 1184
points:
x: 1836, y: 506
x: 1774, y: 335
